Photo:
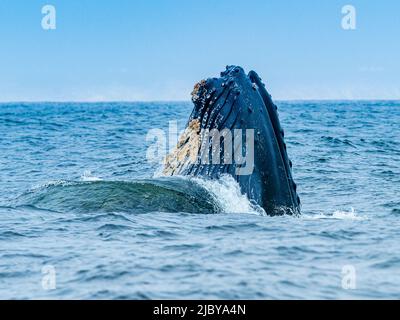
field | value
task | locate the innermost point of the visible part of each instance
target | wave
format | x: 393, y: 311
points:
x: 163, y: 194
x: 334, y: 141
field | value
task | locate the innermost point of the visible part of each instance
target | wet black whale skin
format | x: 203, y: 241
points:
x: 240, y: 101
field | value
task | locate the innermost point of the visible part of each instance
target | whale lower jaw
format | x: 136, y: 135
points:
x: 237, y: 108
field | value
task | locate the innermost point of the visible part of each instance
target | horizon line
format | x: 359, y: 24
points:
x: 186, y: 101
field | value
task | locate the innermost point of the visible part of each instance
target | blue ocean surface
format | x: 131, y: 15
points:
x: 81, y: 204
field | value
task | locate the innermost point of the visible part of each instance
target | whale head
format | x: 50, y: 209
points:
x: 234, y: 130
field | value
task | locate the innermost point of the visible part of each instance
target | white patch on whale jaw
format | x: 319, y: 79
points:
x: 203, y: 147
x: 186, y: 151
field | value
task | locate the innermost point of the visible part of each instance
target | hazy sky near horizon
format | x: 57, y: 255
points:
x: 158, y: 49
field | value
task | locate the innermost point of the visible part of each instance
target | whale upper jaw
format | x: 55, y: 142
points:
x: 236, y: 101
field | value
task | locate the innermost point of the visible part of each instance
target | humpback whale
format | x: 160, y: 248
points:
x: 227, y: 111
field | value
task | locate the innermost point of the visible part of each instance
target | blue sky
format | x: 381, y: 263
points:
x: 158, y: 49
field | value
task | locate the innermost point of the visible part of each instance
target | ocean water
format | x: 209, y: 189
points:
x: 83, y: 216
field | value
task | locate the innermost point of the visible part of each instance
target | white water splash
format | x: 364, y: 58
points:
x: 336, y: 215
x: 159, y: 172
x: 89, y: 177
x: 226, y: 191
x: 48, y: 184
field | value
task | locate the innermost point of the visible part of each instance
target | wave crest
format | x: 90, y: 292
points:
x: 172, y: 194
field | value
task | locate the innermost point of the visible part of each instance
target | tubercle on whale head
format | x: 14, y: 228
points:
x: 198, y: 90
x: 207, y: 91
